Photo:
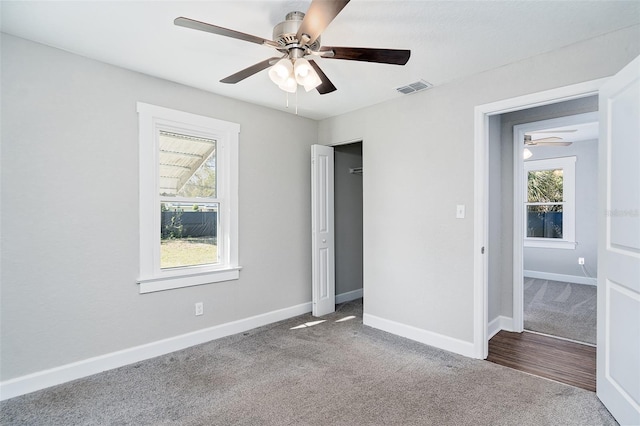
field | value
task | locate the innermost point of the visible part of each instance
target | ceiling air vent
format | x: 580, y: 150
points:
x: 414, y: 87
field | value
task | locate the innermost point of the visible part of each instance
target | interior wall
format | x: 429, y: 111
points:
x: 70, y: 211
x: 420, y: 164
x: 565, y: 262
x: 348, y: 218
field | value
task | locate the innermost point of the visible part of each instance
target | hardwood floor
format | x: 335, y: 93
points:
x: 559, y: 360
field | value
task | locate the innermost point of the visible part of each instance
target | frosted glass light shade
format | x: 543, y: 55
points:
x: 290, y: 85
x: 281, y: 71
x: 313, y: 83
x: 305, y: 74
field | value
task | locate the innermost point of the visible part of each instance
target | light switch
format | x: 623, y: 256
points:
x: 460, y: 211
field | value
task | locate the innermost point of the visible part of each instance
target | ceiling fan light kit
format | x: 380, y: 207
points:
x: 305, y: 74
x: 280, y: 72
x: 297, y: 38
x: 290, y: 85
x: 526, y: 154
x: 287, y: 74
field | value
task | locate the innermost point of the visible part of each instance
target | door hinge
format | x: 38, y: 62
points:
x: 482, y: 250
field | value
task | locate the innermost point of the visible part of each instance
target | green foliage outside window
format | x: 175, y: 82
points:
x: 174, y: 228
x: 545, y: 186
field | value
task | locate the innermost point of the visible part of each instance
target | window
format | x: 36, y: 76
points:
x: 550, y: 203
x: 188, y: 199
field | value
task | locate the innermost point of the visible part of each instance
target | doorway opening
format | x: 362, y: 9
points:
x: 348, y: 205
x: 542, y: 221
x: 514, y: 221
x: 493, y: 258
x: 555, y: 165
x: 336, y: 225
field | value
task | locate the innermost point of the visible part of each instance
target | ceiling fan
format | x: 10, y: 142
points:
x: 550, y: 141
x: 298, y: 40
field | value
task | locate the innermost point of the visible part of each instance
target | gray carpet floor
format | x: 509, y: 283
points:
x: 560, y: 309
x: 299, y: 372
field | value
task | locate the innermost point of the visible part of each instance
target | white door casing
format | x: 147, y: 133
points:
x: 618, y: 353
x: 481, y: 191
x: 322, y: 232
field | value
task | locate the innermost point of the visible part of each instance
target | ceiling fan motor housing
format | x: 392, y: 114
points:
x: 285, y: 33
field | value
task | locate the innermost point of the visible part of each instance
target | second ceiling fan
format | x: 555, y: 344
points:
x: 549, y: 141
x: 298, y: 40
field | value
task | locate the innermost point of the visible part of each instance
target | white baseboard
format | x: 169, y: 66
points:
x: 349, y: 296
x: 65, y: 373
x: 430, y: 338
x: 499, y: 323
x: 561, y: 277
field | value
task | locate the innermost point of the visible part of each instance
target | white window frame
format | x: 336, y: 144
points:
x: 152, y: 119
x: 568, y: 165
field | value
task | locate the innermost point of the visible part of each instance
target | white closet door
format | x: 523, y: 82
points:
x: 322, y: 223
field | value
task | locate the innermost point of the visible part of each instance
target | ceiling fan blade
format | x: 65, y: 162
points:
x: 326, y: 86
x: 535, y: 143
x: 383, y: 56
x: 214, y: 29
x: 318, y: 17
x: 552, y: 131
x: 248, y: 72
x: 553, y: 139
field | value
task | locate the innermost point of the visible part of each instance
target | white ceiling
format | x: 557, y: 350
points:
x: 448, y: 40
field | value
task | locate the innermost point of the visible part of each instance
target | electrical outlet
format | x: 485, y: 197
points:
x: 581, y: 261
x: 199, y: 308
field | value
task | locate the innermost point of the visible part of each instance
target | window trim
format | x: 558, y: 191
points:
x: 152, y: 119
x: 568, y: 165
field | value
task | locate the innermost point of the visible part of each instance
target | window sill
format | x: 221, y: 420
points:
x: 548, y: 243
x: 150, y: 285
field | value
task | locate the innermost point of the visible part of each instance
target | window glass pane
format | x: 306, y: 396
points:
x: 187, y: 165
x: 544, y: 221
x: 545, y: 186
x: 188, y: 234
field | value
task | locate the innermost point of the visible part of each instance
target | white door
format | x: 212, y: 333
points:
x: 322, y: 231
x: 618, y: 374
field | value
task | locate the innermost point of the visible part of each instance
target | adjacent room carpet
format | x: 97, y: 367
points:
x: 310, y: 371
x: 560, y: 309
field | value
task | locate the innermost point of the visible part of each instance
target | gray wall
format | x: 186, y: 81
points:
x: 70, y: 211
x: 348, y: 217
x: 557, y: 261
x: 419, y: 155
